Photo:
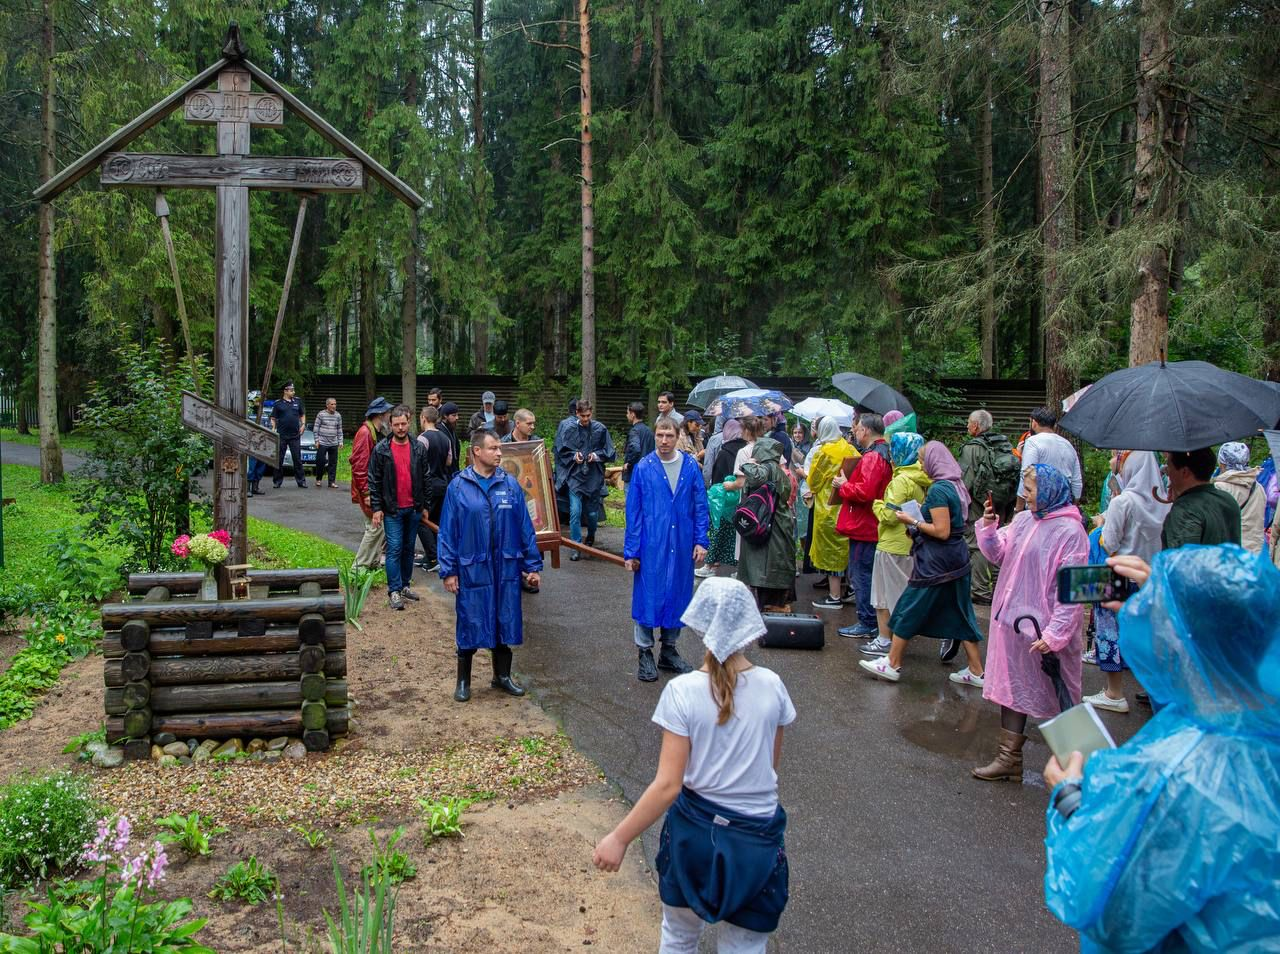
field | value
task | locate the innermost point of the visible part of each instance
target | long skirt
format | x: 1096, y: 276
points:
x: 943, y: 611
x: 724, y: 541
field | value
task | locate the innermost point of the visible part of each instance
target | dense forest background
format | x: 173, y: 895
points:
x: 913, y: 189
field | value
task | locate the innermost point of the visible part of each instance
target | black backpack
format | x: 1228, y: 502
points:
x: 754, y: 517
x: 997, y: 472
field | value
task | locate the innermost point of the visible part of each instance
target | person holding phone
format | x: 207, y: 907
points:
x: 1171, y: 842
x: 1041, y: 539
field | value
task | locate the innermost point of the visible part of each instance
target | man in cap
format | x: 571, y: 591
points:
x: 449, y: 425
x: 369, y: 554
x: 289, y: 419
x: 501, y: 420
x: 483, y: 418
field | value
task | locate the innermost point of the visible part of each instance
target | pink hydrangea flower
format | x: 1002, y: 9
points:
x: 179, y: 547
x: 222, y: 536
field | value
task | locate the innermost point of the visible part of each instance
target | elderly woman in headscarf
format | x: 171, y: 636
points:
x: 1171, y: 842
x: 723, y: 537
x: 1027, y: 620
x: 936, y: 601
x: 1237, y: 478
x: 770, y: 568
x: 1130, y: 527
x: 830, y: 551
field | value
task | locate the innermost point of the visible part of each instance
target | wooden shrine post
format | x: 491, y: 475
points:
x: 233, y: 109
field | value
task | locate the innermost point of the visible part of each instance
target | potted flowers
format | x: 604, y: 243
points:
x: 210, y: 549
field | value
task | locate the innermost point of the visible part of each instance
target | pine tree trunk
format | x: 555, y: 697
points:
x: 368, y: 312
x: 987, y: 200
x: 1155, y: 181
x: 340, y: 346
x: 47, y: 361
x: 409, y: 324
x: 480, y: 324
x: 892, y: 335
x: 588, y: 211
x: 1058, y: 225
x: 658, y: 44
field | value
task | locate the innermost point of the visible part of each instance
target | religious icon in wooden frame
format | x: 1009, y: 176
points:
x: 529, y: 463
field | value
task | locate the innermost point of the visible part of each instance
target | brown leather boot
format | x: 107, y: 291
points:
x: 1007, y: 765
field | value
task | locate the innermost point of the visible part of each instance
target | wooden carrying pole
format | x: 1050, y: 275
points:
x: 162, y: 213
x: 284, y: 295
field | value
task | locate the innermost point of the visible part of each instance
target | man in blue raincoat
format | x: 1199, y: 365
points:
x: 486, y: 543
x: 666, y: 536
x: 1172, y: 841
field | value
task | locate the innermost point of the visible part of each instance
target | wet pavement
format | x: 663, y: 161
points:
x: 892, y: 845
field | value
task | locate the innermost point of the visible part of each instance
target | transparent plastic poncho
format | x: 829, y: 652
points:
x: 1176, y: 844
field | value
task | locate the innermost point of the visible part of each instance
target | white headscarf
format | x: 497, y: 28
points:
x: 723, y: 612
x: 1134, y: 516
x: 828, y: 430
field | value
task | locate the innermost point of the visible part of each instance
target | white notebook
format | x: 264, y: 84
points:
x: 1079, y: 729
x: 912, y: 510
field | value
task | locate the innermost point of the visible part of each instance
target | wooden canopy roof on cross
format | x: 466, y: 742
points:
x: 233, y: 109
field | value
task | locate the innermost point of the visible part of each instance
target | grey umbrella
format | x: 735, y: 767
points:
x: 871, y: 393
x: 1172, y: 406
x: 708, y: 389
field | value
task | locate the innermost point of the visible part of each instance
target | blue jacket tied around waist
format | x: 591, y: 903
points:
x: 662, y: 530
x: 724, y: 865
x: 486, y: 540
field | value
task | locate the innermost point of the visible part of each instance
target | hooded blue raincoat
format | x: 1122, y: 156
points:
x: 662, y: 530
x: 1176, y: 843
x: 486, y: 540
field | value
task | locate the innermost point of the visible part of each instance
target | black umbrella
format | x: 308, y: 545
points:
x: 1050, y: 663
x: 870, y: 393
x: 1174, y: 406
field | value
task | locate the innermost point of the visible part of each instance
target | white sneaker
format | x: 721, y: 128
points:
x: 881, y: 669
x: 703, y: 572
x: 965, y: 677
x: 1103, y: 701
x: 1090, y: 658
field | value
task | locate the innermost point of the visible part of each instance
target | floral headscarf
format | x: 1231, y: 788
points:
x: 892, y: 417
x: 1053, y: 491
x: 1233, y: 455
x: 904, y: 448
x: 732, y: 430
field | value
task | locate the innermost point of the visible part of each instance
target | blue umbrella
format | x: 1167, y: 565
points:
x: 773, y: 402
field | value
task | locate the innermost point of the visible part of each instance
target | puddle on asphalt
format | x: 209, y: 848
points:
x: 967, y: 729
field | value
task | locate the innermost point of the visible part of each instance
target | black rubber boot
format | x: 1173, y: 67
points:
x: 671, y: 661
x: 463, y: 692
x: 646, y: 671
x: 502, y: 672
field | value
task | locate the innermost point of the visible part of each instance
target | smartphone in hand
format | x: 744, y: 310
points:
x: 1093, y: 583
x: 892, y: 506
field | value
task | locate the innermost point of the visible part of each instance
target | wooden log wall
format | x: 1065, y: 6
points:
x: 229, y: 668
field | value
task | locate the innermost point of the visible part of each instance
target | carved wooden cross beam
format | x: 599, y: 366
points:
x: 206, y: 172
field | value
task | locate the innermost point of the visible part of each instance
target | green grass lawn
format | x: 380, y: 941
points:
x: 72, y: 441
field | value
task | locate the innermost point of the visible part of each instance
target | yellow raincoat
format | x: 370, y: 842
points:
x: 830, y: 551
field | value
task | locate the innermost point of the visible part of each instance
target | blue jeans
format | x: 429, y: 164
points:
x: 256, y: 469
x: 862, y: 557
x: 644, y: 635
x: 402, y: 531
x: 576, y: 503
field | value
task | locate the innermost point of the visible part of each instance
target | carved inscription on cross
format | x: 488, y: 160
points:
x: 233, y: 108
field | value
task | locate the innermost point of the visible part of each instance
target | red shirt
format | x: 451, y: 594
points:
x: 401, y: 454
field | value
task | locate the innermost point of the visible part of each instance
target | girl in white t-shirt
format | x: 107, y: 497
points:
x: 721, y: 854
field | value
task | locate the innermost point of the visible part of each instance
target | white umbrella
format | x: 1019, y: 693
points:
x: 815, y: 407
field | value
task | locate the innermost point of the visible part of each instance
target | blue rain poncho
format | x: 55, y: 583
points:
x: 1176, y: 843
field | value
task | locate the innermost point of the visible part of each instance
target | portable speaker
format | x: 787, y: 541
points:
x: 793, y: 631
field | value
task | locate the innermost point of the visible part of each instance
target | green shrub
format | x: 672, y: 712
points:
x: 187, y: 832
x: 29, y: 674
x: 246, y: 881
x: 65, y: 627
x: 45, y: 823
x: 443, y: 818
x: 82, y: 568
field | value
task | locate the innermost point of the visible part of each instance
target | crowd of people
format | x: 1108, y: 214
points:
x: 726, y: 519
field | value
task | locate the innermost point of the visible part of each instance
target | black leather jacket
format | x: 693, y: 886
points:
x: 382, y: 476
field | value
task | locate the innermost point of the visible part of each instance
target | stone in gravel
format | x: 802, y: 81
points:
x: 168, y: 761
x: 255, y: 745
x: 192, y: 745
x: 175, y: 749
x: 295, y: 750
x: 201, y: 755
x: 231, y: 746
x: 208, y: 745
x: 111, y: 757
x: 156, y: 753
x: 94, y: 747
x: 278, y: 743
x: 257, y: 756
x: 272, y: 755
x: 339, y: 745
x: 164, y: 738
x: 184, y: 760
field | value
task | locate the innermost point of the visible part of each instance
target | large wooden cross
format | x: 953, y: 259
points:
x: 233, y: 108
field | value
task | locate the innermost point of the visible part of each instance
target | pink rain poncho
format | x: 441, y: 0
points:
x: 1029, y: 553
